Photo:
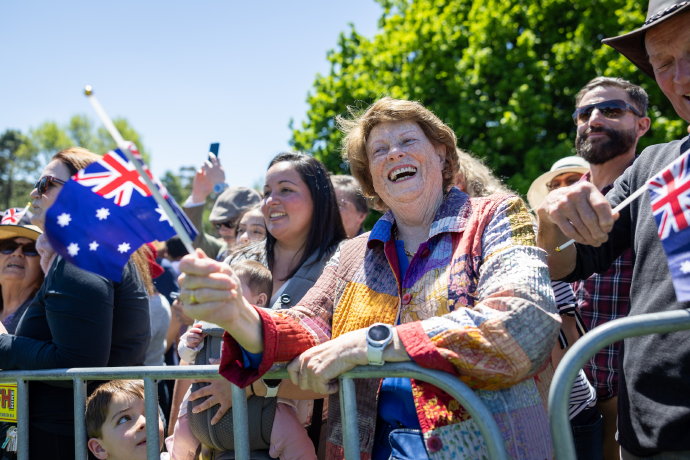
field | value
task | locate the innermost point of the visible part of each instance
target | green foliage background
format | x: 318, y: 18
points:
x: 503, y: 74
x: 23, y: 155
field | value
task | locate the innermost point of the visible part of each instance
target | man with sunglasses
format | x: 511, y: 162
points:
x: 654, y: 380
x: 610, y: 119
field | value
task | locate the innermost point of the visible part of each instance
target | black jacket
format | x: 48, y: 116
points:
x: 77, y: 319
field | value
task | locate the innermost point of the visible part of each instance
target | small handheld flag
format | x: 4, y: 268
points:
x: 105, y: 212
x: 12, y: 216
x: 134, y: 158
x: 669, y: 193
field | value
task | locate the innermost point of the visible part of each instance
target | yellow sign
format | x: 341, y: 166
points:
x: 8, y: 402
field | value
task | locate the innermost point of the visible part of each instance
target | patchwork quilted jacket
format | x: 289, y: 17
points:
x: 476, y: 301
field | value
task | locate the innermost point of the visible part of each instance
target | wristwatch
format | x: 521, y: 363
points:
x: 272, y: 386
x: 219, y: 187
x: 379, y: 335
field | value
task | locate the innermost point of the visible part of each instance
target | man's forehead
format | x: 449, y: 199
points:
x: 658, y: 38
x: 603, y: 93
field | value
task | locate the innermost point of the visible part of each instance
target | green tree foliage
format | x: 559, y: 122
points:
x: 23, y: 156
x: 50, y: 137
x: 179, y: 185
x: 503, y: 74
x: 17, y: 165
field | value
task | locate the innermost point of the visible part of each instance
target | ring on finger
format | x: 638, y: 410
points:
x: 192, y: 299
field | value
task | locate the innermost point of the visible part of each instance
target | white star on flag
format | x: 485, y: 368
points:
x: 64, y: 219
x: 93, y: 246
x: 102, y: 213
x: 73, y: 249
x: 164, y: 216
x: 123, y: 247
x: 685, y: 266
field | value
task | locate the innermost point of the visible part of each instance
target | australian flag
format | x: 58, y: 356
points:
x: 670, y: 197
x: 105, y: 213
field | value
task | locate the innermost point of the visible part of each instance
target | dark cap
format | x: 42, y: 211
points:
x: 232, y: 203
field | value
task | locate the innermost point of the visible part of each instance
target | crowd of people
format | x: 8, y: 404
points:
x: 458, y: 274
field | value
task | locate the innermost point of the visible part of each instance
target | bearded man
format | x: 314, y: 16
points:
x: 654, y: 383
x: 610, y: 116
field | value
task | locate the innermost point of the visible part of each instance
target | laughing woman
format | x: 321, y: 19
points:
x: 450, y: 282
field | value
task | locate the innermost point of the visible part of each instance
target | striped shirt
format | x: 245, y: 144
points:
x: 582, y: 395
x: 601, y: 298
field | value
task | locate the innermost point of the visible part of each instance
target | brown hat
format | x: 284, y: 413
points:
x: 16, y: 223
x: 233, y: 202
x: 631, y: 45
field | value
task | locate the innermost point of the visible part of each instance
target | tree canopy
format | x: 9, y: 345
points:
x: 23, y: 155
x: 503, y: 74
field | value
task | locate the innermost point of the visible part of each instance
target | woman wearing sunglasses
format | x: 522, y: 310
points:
x: 20, y: 272
x: 76, y: 319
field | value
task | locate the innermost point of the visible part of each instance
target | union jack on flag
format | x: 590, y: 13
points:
x: 670, y: 197
x: 105, y: 213
x: 669, y: 194
x: 117, y: 181
x: 12, y: 216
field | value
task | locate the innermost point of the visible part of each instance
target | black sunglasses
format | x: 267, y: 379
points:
x: 228, y: 224
x: 9, y: 246
x: 46, y: 181
x: 612, y: 109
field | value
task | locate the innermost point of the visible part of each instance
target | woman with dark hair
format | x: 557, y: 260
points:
x: 76, y: 319
x: 304, y: 229
x: 302, y: 219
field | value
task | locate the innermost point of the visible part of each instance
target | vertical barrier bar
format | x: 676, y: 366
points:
x: 583, y: 350
x: 152, y: 415
x: 240, y: 422
x: 22, y: 420
x: 79, y: 420
x: 348, y: 412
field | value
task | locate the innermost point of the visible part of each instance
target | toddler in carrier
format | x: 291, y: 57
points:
x: 288, y: 436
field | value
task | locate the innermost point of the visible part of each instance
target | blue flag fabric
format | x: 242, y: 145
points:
x: 104, y: 213
x: 669, y: 193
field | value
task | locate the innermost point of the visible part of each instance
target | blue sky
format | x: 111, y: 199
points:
x: 183, y: 73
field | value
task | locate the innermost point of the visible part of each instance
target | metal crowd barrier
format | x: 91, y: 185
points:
x: 151, y: 374
x: 583, y: 350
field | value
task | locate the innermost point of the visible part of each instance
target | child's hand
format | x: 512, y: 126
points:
x: 194, y: 336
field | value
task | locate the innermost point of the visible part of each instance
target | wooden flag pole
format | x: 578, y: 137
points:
x: 125, y: 146
x: 633, y: 196
x: 620, y: 206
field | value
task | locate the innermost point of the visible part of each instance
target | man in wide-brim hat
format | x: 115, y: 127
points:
x: 654, y: 387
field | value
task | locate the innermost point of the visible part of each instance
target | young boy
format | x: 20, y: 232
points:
x: 115, y: 421
x: 289, y: 439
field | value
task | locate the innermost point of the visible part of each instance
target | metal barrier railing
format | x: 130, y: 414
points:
x: 583, y: 350
x: 151, y: 374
